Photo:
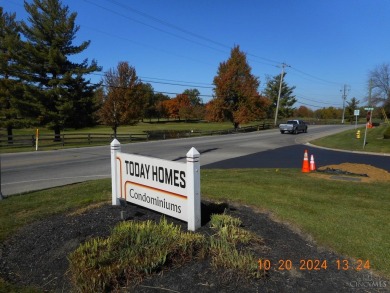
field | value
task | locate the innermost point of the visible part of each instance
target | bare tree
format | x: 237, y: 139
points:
x: 379, y: 80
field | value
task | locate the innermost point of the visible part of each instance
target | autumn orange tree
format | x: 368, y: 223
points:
x: 236, y: 92
x: 174, y: 107
x: 186, y: 105
x: 122, y: 103
x: 328, y: 113
x: 303, y: 112
x: 191, y: 106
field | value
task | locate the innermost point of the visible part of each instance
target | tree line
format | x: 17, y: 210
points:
x: 40, y: 85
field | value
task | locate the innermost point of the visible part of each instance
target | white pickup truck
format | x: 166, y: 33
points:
x: 293, y: 126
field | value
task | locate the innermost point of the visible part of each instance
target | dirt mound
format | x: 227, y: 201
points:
x: 360, y: 172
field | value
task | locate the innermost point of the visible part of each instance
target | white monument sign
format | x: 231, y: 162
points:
x: 171, y: 188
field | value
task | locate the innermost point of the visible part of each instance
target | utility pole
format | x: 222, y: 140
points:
x: 280, y: 90
x: 370, y: 111
x: 369, y: 99
x: 369, y: 92
x: 344, y: 96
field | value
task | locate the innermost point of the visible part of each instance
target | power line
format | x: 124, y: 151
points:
x: 143, y: 44
x: 316, y: 101
x: 170, y: 82
x: 186, y: 84
x: 153, y: 27
x: 178, y: 84
x: 315, y: 77
x: 309, y: 105
x: 190, y: 33
x: 154, y: 91
x: 186, y: 31
x: 270, y: 61
x: 173, y: 80
x: 167, y: 24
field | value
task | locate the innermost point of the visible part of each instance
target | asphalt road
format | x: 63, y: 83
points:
x: 23, y: 172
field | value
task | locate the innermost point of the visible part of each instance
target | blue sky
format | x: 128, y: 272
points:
x: 176, y: 45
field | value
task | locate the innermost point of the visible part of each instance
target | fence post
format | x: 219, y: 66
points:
x: 89, y: 138
x: 115, y: 148
x: 193, y: 189
x: 36, y: 139
x: 63, y: 139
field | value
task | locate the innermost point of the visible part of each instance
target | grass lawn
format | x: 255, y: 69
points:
x: 347, y: 140
x: 16, y: 211
x: 350, y: 218
x: 139, y: 128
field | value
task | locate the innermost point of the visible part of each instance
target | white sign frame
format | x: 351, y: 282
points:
x: 171, y: 188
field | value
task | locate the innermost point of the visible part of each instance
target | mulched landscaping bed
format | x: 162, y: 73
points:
x: 37, y: 256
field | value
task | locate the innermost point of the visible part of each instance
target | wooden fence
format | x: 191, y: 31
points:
x: 67, y: 139
x: 85, y: 139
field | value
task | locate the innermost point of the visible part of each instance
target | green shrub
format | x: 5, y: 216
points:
x: 224, y: 246
x: 133, y: 250
x: 136, y: 249
x: 242, y: 262
x: 218, y: 221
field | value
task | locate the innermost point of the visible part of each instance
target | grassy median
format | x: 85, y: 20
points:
x: 347, y: 140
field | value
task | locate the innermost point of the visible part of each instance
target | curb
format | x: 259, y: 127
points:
x: 346, y: 151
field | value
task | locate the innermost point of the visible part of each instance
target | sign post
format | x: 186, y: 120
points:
x: 115, y: 148
x: 193, y: 188
x: 365, y: 136
x: 170, y: 188
x: 356, y: 113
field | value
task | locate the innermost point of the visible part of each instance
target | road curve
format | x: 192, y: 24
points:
x: 29, y: 171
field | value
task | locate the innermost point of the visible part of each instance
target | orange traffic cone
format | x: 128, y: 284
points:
x: 312, y: 163
x: 305, y: 165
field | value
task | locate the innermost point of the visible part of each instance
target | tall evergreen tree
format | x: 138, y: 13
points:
x: 147, y: 95
x: 234, y: 86
x: 10, y: 86
x: 194, y: 96
x: 351, y: 107
x: 58, y: 87
x: 159, y: 99
x: 287, y: 98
